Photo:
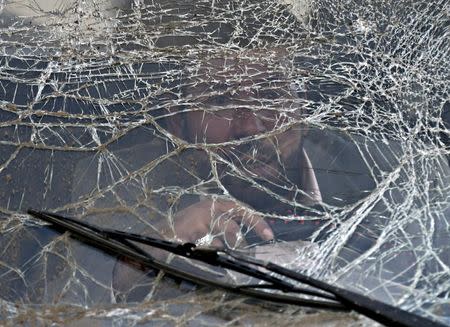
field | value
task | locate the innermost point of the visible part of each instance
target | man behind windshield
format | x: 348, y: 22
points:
x: 247, y: 119
x: 244, y: 116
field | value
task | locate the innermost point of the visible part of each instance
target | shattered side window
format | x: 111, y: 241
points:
x: 311, y: 133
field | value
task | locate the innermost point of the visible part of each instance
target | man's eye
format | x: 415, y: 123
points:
x: 271, y: 95
x: 218, y: 100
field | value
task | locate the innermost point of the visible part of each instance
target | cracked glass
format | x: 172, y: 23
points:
x: 311, y: 133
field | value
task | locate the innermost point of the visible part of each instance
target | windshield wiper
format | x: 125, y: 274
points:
x: 119, y: 244
x: 329, y: 297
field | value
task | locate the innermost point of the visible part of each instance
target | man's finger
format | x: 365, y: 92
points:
x: 217, y: 243
x: 225, y: 227
x: 250, y: 219
x: 259, y: 225
x: 256, y: 222
x: 233, y: 236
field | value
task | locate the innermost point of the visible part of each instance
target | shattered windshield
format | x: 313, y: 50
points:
x: 310, y: 133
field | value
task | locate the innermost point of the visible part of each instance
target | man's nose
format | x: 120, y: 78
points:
x: 247, y: 123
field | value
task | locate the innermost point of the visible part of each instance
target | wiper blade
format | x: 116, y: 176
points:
x: 335, y: 298
x: 106, y: 240
x: 189, y: 250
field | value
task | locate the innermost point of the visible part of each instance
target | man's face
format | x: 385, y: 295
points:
x: 246, y: 111
x: 236, y: 100
x: 226, y: 117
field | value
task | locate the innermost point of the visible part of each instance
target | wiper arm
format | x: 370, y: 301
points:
x: 119, y: 243
x: 374, y: 309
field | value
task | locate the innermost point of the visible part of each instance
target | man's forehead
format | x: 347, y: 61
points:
x: 228, y: 71
x: 236, y: 68
x: 218, y: 86
x: 235, y: 76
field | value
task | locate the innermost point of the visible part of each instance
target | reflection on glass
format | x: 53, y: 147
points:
x: 317, y: 139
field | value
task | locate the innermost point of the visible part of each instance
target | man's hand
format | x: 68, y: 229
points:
x: 218, y: 223
x: 219, y: 219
